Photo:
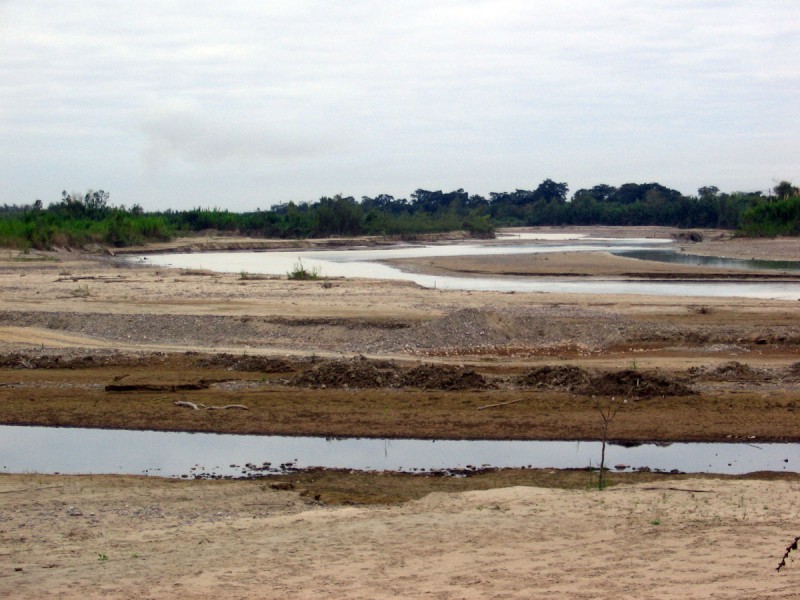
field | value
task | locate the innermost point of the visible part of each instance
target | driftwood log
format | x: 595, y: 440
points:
x: 198, y: 406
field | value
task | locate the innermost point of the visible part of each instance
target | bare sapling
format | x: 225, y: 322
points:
x: 607, y: 410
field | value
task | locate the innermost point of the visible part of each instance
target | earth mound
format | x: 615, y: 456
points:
x: 260, y: 364
x: 729, y: 371
x: 356, y: 373
x: 635, y: 384
x: 74, y: 361
x: 566, y: 377
x: 443, y: 377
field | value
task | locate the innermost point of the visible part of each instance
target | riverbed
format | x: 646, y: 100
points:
x: 371, y: 263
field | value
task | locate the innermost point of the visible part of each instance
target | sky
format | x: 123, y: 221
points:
x: 240, y: 105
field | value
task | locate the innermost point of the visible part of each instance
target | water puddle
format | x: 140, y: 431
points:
x: 750, y: 264
x: 171, y: 454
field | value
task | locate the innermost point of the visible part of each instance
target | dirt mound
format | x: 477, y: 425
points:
x: 634, y: 384
x: 566, y: 377
x: 443, y: 377
x: 73, y: 361
x: 730, y: 371
x: 260, y: 364
x: 357, y: 373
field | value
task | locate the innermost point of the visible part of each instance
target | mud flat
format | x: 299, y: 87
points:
x: 74, y: 326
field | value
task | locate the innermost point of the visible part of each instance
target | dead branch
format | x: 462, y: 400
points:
x: 499, y: 404
x: 194, y: 406
x: 191, y: 405
x: 789, y: 549
x: 47, y: 487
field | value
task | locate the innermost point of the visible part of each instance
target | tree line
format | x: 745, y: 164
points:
x: 81, y: 219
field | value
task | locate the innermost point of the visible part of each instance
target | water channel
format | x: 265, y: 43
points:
x: 171, y: 454
x: 367, y: 263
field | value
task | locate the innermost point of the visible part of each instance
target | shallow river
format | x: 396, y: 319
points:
x: 170, y: 454
x: 366, y: 263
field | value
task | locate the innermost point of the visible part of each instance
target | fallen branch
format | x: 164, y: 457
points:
x: 47, y: 487
x: 789, y: 549
x: 500, y: 404
x: 194, y: 406
x: 191, y: 405
x: 157, y: 387
x: 671, y: 489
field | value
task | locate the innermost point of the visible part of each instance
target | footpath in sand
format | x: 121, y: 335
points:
x: 74, y: 326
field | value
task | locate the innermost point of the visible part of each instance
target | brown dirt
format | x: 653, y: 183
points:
x: 379, y: 398
x: 635, y: 385
x: 555, y: 377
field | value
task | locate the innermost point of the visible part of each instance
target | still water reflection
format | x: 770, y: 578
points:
x: 170, y: 454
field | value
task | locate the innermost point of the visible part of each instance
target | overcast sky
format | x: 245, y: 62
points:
x: 239, y: 104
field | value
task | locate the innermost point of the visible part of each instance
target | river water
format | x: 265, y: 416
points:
x: 367, y: 263
x: 171, y: 454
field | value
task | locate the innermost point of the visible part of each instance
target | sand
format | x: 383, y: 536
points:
x: 86, y: 537
x: 134, y: 537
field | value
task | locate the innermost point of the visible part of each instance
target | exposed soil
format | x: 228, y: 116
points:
x: 633, y: 384
x: 381, y: 398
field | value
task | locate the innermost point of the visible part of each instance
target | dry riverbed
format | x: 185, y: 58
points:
x: 92, y: 341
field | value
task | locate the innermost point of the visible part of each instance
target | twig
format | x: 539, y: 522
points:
x: 500, y: 404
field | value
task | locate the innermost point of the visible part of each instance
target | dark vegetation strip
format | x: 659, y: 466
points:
x: 79, y: 220
x: 343, y: 486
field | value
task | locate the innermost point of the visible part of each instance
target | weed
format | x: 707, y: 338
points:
x: 300, y: 273
x: 245, y: 276
x: 102, y: 556
x: 82, y: 291
x: 655, y: 522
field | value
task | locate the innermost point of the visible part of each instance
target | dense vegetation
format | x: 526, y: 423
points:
x: 79, y: 220
x: 780, y: 217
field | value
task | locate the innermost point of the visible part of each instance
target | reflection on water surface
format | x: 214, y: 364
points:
x: 171, y: 454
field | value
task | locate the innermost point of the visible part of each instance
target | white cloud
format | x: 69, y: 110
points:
x: 184, y: 132
x: 364, y: 97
